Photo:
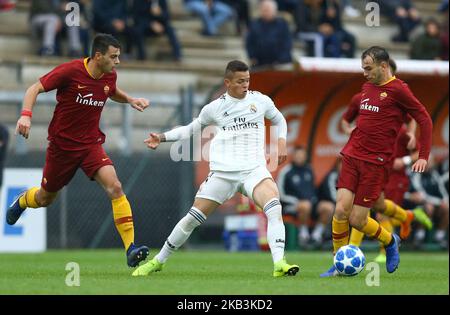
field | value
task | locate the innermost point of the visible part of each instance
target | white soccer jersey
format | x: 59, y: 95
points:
x: 240, y: 140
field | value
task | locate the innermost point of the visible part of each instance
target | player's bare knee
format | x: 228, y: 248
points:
x: 340, y: 212
x: 115, y: 190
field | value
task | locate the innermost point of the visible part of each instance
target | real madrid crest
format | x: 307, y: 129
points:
x: 383, y: 95
x: 106, y: 89
x: 253, y: 108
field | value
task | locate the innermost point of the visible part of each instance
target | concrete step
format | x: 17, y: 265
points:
x: 381, y: 35
x: 133, y: 75
x: 193, y: 45
x: 129, y: 79
x: 15, y: 22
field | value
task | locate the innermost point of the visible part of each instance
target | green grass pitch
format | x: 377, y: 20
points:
x: 214, y: 273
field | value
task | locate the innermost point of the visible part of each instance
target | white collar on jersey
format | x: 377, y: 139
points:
x: 228, y: 96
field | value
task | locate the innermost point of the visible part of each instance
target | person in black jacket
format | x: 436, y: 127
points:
x: 326, y: 194
x: 268, y: 40
x: 152, y: 18
x: 297, y: 192
x: 428, y: 189
x: 110, y: 17
x: 241, y: 8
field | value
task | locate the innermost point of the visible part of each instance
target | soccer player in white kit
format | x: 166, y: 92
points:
x: 237, y: 164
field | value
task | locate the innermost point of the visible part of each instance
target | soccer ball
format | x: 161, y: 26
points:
x: 349, y: 260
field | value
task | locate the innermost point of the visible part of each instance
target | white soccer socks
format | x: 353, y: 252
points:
x: 181, y: 233
x: 275, y: 229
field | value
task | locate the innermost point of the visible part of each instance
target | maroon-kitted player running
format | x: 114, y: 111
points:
x: 75, y: 139
x: 385, y: 102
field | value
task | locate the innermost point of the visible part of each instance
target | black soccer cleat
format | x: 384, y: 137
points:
x: 136, y: 254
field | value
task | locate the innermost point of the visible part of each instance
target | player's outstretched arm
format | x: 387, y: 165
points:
x: 154, y: 140
x: 137, y: 103
x: 180, y: 133
x: 23, y: 125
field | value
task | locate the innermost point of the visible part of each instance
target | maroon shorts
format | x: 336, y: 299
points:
x: 366, y: 180
x: 396, y: 188
x: 61, y: 165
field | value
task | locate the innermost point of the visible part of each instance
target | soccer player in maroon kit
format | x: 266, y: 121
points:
x: 385, y: 102
x: 397, y: 182
x: 75, y: 139
x: 388, y: 206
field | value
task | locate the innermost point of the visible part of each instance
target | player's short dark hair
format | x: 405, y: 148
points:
x: 378, y: 54
x: 393, y: 65
x: 299, y: 147
x: 102, y: 42
x: 235, y: 66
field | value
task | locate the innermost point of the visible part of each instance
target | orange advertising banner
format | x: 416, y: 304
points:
x: 313, y: 104
x: 319, y: 99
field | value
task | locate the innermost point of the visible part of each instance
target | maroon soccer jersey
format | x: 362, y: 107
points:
x: 353, y: 108
x: 80, y: 101
x: 382, y: 111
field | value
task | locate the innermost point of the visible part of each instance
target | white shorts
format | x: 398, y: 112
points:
x: 221, y: 186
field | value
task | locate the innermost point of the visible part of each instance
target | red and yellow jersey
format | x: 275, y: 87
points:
x: 80, y: 101
x: 382, y: 111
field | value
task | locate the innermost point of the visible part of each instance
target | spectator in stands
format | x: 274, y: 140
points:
x: 78, y: 35
x: 297, y: 192
x: 403, y: 13
x: 45, y: 17
x: 48, y: 17
x: 213, y: 14
x: 427, y: 46
x: 428, y: 189
x: 268, y: 40
x: 332, y: 16
x: 443, y: 172
x: 152, y: 17
x: 326, y: 194
x: 292, y: 7
x: 349, y: 10
x: 110, y: 17
x: 443, y: 6
x: 318, y: 34
x: 443, y: 9
x: 242, y: 14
